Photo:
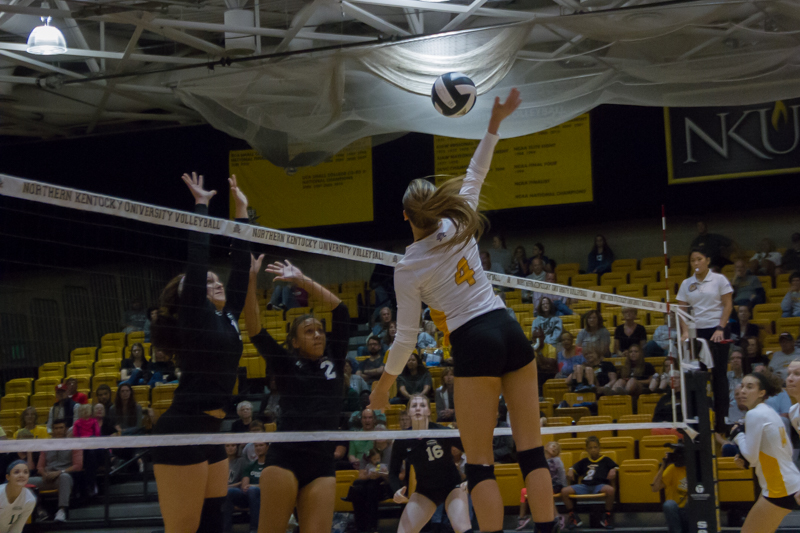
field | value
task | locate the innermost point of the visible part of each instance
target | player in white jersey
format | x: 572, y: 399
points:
x: 16, y: 502
x: 491, y: 353
x: 764, y: 444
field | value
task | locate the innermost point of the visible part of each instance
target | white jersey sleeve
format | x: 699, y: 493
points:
x: 478, y: 168
x: 409, y: 308
x: 794, y: 417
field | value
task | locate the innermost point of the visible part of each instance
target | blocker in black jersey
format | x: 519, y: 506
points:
x: 311, y: 397
x: 437, y: 474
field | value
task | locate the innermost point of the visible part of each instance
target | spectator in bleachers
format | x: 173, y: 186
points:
x: 671, y: 477
x: 547, y: 321
x: 404, y: 420
x: 595, y: 474
x: 659, y: 345
x: 31, y: 458
x: 596, y: 374
x: 135, y: 317
x: 537, y: 270
x: 790, y: 305
x: 270, y: 404
x: 55, y: 469
x: 717, y: 247
x: 87, y: 426
x: 488, y: 265
x: 152, y: 315
x: 558, y: 477
x: 519, y: 263
x: 537, y: 252
x: 236, y: 463
x: 384, y: 318
x: 600, y: 257
x: 248, y: 450
x: 248, y: 494
x: 444, y: 397
x: 381, y: 282
x: 427, y: 336
x: 629, y: 333
x: 503, y: 445
x: 569, y: 355
x: 359, y: 447
x: 162, y: 369
x: 741, y: 328
x: 102, y: 397
x: 28, y: 420
x: 135, y: 370
x: 63, y: 409
x: 779, y: 363
x: 791, y: 258
x: 287, y: 296
x: 660, y: 380
x: 766, y: 260
x: 663, y: 409
x: 594, y: 334
x: 126, y: 413
x: 634, y: 369
x: 747, y: 288
x: 245, y: 412
x: 500, y: 256
x: 415, y: 379
x: 753, y: 355
x: 388, y: 336
x: 106, y: 426
x: 561, y: 303
x: 355, y: 381
x: 74, y: 393
x: 371, y: 369
x: 372, y: 485
x: 735, y: 375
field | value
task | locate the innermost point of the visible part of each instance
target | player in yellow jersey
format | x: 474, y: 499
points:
x: 491, y: 353
x: 763, y: 442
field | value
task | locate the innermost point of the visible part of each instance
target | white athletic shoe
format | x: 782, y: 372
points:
x: 61, y: 516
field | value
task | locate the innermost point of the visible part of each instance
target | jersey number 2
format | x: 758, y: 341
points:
x: 464, y: 273
x: 327, y: 366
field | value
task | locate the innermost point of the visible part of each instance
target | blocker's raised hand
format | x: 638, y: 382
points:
x: 195, y: 184
x: 502, y: 110
x: 285, y: 271
x: 239, y: 199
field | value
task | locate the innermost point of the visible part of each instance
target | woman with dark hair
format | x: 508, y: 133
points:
x: 633, y: 369
x: 29, y: 420
x: 710, y: 296
x: 444, y: 397
x: 547, y: 321
x: 16, y: 501
x: 569, y: 356
x: 415, y: 379
x: 763, y: 442
x: 629, y: 332
x: 593, y: 333
x: 753, y: 354
x: 499, y: 254
x: 309, y: 374
x: 135, y: 370
x: 198, y: 322
x: 601, y: 256
x: 519, y: 263
x: 388, y: 337
x: 537, y: 252
x: 125, y: 412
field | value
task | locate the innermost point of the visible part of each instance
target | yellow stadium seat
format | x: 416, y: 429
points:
x: 46, y: 384
x: 657, y: 362
x: 579, y: 397
x: 635, y: 476
x: 43, y: 399
x: 766, y: 282
x: 105, y: 379
x: 14, y: 402
x: 658, y: 289
x: 643, y: 276
x: 162, y: 393
x: 564, y: 267
x: 352, y: 305
x: 602, y: 288
x: 634, y: 290
x: 79, y: 369
x: 113, y: 339
x: 582, y: 306
x: 19, y: 386
x: 43, y: 412
x: 555, y: 388
x: 159, y: 408
x: 106, y: 367
x: 590, y: 420
x: 140, y: 392
x: 113, y: 353
x: 248, y: 350
x: 614, y: 406
x: 344, y: 479
x: 775, y: 296
x: 509, y: 479
x: 546, y: 406
x: 788, y: 324
x: 55, y: 369
x: 560, y: 421
x: 326, y: 317
x: 782, y: 281
x: 256, y: 367
x: 678, y: 259
x: 735, y: 484
x: 83, y: 354
x: 573, y: 445
x: 624, y: 265
x: 614, y: 278
x: 767, y: 311
x: 728, y: 272
x: 652, y: 446
x: 584, y: 280
x: 765, y: 326
x: 652, y: 263
x: 84, y: 381
x: 575, y: 413
x: 134, y: 337
x: 278, y: 334
x: 9, y: 421
x: 622, y: 446
x: 566, y: 271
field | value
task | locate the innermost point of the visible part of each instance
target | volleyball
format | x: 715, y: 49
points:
x: 453, y: 94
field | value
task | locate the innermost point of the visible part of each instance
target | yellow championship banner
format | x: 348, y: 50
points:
x: 307, y: 196
x: 545, y: 168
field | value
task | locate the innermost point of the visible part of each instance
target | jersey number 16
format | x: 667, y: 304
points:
x: 434, y: 452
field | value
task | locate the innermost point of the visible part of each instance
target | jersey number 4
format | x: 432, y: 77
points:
x: 327, y: 366
x: 464, y: 273
x: 434, y: 452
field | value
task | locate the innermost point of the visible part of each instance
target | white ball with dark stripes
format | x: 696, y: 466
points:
x: 453, y: 94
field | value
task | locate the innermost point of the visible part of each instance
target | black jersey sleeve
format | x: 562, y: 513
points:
x: 339, y: 338
x: 236, y: 291
x: 277, y: 358
x: 193, y: 295
x: 399, y: 452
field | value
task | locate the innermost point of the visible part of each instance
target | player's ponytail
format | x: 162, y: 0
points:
x: 164, y: 332
x: 426, y: 204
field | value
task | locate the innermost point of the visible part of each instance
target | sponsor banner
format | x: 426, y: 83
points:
x: 711, y: 143
x: 545, y: 168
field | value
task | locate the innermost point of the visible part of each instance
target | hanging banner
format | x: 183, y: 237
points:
x: 545, y: 168
x: 307, y: 196
x: 712, y: 143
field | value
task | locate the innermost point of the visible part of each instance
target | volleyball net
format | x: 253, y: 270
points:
x: 81, y: 271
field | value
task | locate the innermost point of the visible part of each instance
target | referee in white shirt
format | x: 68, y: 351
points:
x: 711, y: 297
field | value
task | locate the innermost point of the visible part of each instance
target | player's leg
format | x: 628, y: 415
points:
x: 315, y: 503
x: 457, y: 507
x: 764, y: 517
x: 521, y: 392
x: 181, y: 495
x: 479, y: 397
x: 211, y: 517
x: 418, y: 511
x: 278, y: 499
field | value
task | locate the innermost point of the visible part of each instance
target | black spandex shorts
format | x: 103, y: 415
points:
x: 490, y: 345
x: 787, y: 502
x: 176, y: 421
x: 438, y: 494
x: 307, y: 463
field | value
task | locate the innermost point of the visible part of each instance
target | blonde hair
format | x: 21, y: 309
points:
x: 86, y: 410
x: 426, y: 204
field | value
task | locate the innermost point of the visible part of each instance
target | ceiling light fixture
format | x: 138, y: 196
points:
x: 46, y: 40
